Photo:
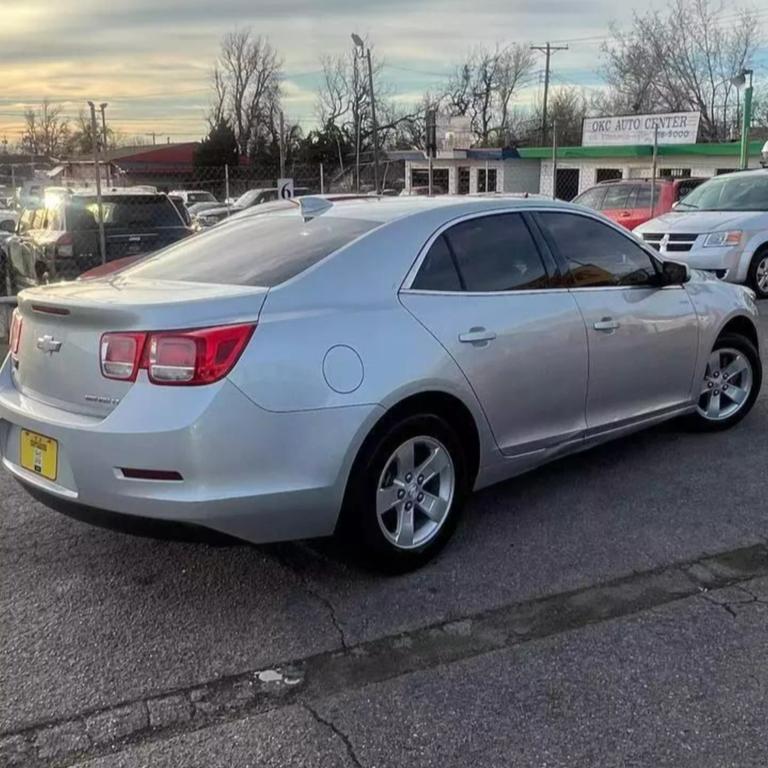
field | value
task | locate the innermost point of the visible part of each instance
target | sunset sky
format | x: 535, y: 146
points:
x: 151, y: 59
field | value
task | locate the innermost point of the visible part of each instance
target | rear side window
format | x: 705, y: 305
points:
x: 124, y: 211
x: 592, y: 198
x: 259, y: 250
x: 483, y: 255
x: 642, y: 198
x: 438, y: 271
x: 616, y: 196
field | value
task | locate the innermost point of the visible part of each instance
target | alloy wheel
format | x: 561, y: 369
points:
x: 727, y: 384
x: 761, y: 274
x: 415, y: 492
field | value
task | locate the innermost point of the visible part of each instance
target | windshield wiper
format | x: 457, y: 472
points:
x: 687, y: 205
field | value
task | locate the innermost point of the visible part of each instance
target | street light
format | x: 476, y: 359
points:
x: 739, y: 81
x: 366, y: 52
x: 102, y: 107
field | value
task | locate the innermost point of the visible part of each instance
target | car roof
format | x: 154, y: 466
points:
x: 385, y: 209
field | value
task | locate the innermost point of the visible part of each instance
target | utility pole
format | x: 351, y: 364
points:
x: 103, y: 107
x: 282, y: 144
x: 365, y: 52
x: 746, y: 122
x: 547, y: 50
x: 94, y: 134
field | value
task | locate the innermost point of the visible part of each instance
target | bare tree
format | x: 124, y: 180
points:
x: 246, y: 85
x: 484, y: 87
x: 682, y: 59
x: 45, y: 130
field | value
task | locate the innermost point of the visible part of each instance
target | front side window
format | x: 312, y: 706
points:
x: 596, y: 254
x: 482, y: 255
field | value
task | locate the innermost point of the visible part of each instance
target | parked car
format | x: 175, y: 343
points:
x: 360, y: 367
x: 422, y: 191
x: 628, y: 202
x: 197, y: 208
x: 192, y: 196
x: 62, y: 241
x: 8, y: 219
x: 720, y: 227
x: 250, y: 198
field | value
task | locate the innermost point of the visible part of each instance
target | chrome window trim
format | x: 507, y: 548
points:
x: 405, y: 286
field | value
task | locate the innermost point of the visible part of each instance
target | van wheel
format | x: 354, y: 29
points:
x: 730, y: 386
x: 405, y: 494
x: 758, y: 274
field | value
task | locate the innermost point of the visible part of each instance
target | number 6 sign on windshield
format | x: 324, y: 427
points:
x: 285, y: 189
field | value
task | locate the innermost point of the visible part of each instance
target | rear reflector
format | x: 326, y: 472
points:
x: 178, y: 358
x: 151, y: 474
x: 120, y: 355
x: 14, y: 338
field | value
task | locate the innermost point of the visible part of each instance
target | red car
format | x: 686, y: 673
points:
x: 628, y: 202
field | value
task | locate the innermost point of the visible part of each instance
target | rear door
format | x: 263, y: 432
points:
x: 643, y: 339
x: 490, y: 296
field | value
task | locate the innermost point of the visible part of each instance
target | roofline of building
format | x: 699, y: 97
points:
x: 714, y: 149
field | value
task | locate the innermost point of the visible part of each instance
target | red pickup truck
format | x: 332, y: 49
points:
x: 628, y: 201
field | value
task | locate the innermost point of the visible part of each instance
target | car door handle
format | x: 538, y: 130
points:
x: 477, y: 335
x: 607, y: 324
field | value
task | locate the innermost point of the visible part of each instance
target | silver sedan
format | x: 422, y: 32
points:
x: 360, y: 366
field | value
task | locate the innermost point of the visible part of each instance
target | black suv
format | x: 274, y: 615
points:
x: 61, y: 241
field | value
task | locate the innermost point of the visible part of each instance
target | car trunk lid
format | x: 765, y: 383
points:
x: 58, y: 360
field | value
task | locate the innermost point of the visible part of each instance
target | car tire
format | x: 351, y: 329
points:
x: 375, y: 527
x: 757, y: 277
x: 732, y: 352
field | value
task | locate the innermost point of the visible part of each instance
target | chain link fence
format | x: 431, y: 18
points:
x: 75, y: 229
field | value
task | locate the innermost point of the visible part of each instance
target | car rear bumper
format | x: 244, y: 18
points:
x: 246, y: 472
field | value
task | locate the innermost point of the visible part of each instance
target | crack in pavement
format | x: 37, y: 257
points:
x: 337, y: 731
x: 323, y: 675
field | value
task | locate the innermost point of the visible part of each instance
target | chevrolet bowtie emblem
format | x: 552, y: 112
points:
x: 48, y: 344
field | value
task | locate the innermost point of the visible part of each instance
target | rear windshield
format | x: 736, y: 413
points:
x: 120, y: 211
x: 262, y: 250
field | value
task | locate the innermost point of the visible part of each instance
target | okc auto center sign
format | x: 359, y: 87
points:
x: 674, y: 128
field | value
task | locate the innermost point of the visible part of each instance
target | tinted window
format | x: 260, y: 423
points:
x: 496, y: 253
x: 438, y: 270
x: 596, y: 254
x: 642, y: 198
x: 261, y: 250
x: 128, y: 211
x: 616, y: 196
x: 737, y: 192
x: 592, y: 198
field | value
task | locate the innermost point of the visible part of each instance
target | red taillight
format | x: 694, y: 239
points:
x: 14, y: 338
x: 64, y: 245
x: 196, y: 357
x: 174, y: 357
x: 121, y: 355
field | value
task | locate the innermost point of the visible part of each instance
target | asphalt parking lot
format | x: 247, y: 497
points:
x: 608, y: 610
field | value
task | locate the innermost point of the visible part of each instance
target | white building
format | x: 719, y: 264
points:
x: 529, y: 169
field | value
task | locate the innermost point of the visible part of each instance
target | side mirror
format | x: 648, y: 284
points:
x: 674, y: 273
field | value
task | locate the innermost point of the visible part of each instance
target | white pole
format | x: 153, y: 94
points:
x: 554, y: 160
x: 322, y: 180
x: 226, y: 183
x: 95, y: 138
x: 653, y: 169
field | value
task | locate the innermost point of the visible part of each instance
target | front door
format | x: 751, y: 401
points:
x: 484, y: 292
x: 643, y: 339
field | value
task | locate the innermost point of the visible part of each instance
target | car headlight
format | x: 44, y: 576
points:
x: 720, y: 239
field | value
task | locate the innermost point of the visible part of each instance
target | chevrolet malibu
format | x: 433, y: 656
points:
x: 360, y: 366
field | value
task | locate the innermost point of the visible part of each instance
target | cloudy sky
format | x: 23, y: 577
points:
x: 151, y: 59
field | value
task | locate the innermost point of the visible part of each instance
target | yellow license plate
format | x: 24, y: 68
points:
x: 39, y: 454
